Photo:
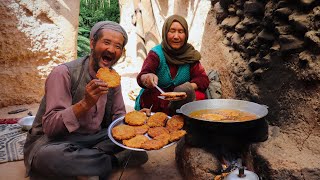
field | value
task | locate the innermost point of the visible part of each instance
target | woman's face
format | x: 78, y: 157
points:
x: 176, y: 35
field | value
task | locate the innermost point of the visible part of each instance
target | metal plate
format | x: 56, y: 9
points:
x: 162, y: 97
x: 120, y: 121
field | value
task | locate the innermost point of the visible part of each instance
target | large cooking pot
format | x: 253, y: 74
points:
x: 259, y: 110
x: 200, y: 131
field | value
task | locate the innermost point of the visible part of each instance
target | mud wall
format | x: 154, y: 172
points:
x: 36, y: 35
x: 278, y: 43
x: 278, y: 64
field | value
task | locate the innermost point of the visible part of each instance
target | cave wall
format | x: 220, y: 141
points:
x: 278, y: 45
x: 36, y: 35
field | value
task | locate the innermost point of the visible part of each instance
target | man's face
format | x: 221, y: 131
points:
x: 176, y: 35
x: 108, y: 49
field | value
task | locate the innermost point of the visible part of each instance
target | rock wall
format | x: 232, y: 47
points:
x: 36, y: 35
x: 277, y: 63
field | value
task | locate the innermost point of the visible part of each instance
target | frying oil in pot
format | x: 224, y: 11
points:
x: 222, y: 114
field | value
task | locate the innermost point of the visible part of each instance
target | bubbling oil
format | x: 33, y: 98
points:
x: 222, y: 115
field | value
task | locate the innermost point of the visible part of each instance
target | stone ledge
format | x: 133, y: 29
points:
x: 280, y: 158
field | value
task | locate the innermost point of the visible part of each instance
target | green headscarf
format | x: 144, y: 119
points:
x: 186, y: 54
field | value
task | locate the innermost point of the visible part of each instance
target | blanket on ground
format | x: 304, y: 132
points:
x: 12, y: 139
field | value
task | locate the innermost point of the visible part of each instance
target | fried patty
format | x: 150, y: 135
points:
x: 157, y: 119
x: 141, y: 129
x: 136, y: 141
x: 109, y: 76
x: 176, y: 135
x: 156, y: 131
x: 153, y: 144
x: 135, y: 118
x: 176, y: 122
x: 123, y: 131
x: 174, y: 95
x: 163, y: 137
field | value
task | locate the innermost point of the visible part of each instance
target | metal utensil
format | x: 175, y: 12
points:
x: 17, y: 111
x: 242, y: 174
x: 150, y: 110
x: 125, y: 165
x: 159, y: 89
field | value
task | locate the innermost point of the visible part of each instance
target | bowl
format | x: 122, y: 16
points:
x: 26, y: 122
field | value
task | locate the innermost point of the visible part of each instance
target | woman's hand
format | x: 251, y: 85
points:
x: 149, y: 80
x: 194, y: 85
x: 147, y: 111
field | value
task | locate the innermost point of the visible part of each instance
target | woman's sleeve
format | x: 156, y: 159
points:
x: 199, y: 76
x: 150, y: 65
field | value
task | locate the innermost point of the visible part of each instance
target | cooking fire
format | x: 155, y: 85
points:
x: 220, y: 148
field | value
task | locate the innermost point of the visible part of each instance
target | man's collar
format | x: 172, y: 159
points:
x: 92, y: 72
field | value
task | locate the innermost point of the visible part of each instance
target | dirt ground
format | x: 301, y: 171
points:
x: 161, y: 163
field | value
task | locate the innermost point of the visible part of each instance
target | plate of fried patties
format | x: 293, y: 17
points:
x: 136, y: 131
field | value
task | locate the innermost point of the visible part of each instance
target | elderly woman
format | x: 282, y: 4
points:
x: 173, y: 65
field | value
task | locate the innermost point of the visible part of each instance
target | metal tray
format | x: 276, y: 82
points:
x: 120, y: 121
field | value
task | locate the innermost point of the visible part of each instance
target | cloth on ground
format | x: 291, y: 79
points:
x: 12, y: 139
x: 214, y: 90
x: 9, y: 121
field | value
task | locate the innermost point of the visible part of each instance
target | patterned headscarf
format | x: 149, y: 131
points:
x: 186, y: 54
x: 109, y: 25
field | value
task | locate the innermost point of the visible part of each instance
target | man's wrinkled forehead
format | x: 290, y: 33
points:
x: 109, y: 25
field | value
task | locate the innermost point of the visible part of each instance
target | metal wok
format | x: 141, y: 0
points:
x: 202, y: 132
x: 259, y: 110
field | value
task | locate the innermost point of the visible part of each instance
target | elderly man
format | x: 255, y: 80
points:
x: 68, y: 139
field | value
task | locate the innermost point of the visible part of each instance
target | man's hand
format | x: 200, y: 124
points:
x: 94, y: 89
x: 149, y: 80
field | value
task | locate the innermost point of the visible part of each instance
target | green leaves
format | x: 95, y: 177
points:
x: 91, y: 12
x: 83, y: 46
